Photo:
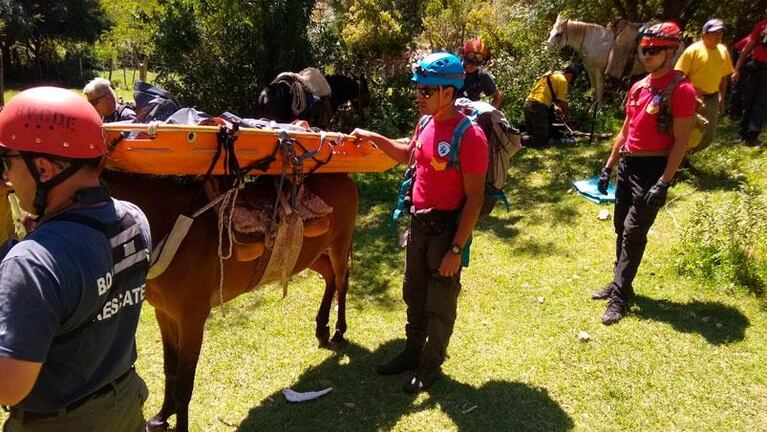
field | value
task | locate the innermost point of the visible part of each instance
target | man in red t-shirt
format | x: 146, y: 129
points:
x: 650, y: 146
x: 754, y: 85
x: 447, y: 196
x: 735, y: 101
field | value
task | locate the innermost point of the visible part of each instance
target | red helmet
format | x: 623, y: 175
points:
x: 665, y: 34
x: 54, y: 121
x: 475, y: 51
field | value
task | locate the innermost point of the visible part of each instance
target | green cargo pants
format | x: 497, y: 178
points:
x: 118, y: 409
x: 431, y: 299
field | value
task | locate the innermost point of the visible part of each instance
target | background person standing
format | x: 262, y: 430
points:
x: 707, y: 64
x: 754, y: 57
x: 477, y: 79
x: 650, y: 146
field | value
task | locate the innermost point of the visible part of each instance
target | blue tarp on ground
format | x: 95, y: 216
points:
x: 588, y: 189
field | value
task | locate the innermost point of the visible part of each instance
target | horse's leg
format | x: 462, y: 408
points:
x: 169, y: 331
x: 599, y: 79
x: 323, y: 266
x: 191, y: 327
x: 339, y: 259
x: 338, y: 337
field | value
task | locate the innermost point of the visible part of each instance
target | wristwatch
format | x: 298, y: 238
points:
x: 455, y: 249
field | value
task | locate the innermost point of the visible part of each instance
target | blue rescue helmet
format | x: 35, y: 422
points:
x: 439, y: 69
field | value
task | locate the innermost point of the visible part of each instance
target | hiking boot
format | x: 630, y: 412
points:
x: 604, y: 293
x: 617, y: 308
x: 421, y: 379
x: 406, y: 360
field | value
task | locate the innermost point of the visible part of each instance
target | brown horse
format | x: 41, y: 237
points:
x: 185, y: 293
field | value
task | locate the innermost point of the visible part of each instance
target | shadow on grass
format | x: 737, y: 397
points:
x: 362, y: 400
x: 543, y: 176
x: 712, y: 178
x: 376, y: 251
x: 718, y: 323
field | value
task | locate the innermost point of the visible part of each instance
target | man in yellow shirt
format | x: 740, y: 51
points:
x: 550, y: 89
x: 708, y: 65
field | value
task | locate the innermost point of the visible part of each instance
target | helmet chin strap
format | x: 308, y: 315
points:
x: 441, y: 108
x: 662, y: 65
x: 41, y: 194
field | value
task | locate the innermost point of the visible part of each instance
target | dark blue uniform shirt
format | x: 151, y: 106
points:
x: 70, y: 298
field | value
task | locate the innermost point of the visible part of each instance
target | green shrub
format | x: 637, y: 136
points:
x: 724, y: 243
x: 394, y: 112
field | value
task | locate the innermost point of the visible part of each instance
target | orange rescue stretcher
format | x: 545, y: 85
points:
x: 173, y: 149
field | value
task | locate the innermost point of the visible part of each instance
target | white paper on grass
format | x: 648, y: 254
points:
x: 294, y: 396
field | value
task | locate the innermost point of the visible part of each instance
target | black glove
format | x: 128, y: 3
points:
x: 656, y: 196
x: 604, y: 180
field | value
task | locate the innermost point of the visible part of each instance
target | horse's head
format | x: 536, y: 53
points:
x: 274, y: 102
x: 558, y: 34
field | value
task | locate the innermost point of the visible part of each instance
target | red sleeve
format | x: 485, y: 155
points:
x: 683, y: 101
x: 474, y: 154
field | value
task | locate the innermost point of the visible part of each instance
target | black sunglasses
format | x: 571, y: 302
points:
x: 5, y: 159
x: 652, y: 50
x: 474, y: 58
x: 426, y: 92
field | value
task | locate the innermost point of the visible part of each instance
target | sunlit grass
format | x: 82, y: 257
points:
x: 690, y: 357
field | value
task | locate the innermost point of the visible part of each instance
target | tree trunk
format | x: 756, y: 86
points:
x: 125, y: 77
x: 6, y: 60
x: 2, y: 82
x: 672, y: 9
x: 111, y: 68
x: 143, y: 66
x: 628, y: 9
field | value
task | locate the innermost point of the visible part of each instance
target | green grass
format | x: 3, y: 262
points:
x: 690, y: 357
x: 122, y: 81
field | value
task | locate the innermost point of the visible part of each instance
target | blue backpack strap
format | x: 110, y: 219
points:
x: 422, y: 124
x: 407, y: 182
x: 404, y: 188
x: 455, y: 144
x: 500, y: 196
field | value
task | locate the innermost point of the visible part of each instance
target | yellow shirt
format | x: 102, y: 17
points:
x: 541, y: 93
x: 705, y: 67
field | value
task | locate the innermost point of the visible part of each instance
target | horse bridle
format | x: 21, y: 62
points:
x: 565, y: 23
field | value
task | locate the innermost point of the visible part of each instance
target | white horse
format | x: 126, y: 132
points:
x: 602, y: 52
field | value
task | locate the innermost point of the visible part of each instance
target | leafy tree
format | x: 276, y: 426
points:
x: 373, y: 30
x: 131, y: 34
x: 40, y: 27
x: 218, y: 54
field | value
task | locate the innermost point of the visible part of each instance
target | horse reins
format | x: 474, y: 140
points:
x: 583, y: 39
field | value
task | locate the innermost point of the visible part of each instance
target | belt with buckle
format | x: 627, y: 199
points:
x: 28, y: 416
x: 641, y: 153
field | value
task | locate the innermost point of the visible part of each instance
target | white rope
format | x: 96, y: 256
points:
x: 299, y: 99
x: 229, y: 200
